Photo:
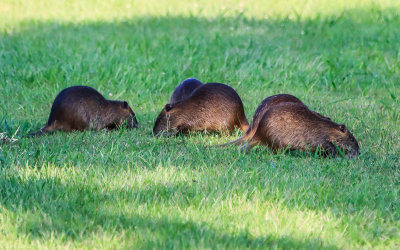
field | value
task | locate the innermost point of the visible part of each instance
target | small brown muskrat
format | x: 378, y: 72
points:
x: 293, y: 126
x: 82, y: 108
x: 184, y: 90
x: 260, y: 111
x: 211, y: 107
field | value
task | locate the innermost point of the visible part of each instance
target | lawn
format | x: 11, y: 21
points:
x: 128, y: 189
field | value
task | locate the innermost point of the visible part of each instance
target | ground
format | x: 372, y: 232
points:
x: 127, y: 189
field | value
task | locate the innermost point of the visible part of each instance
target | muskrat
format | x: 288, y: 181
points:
x: 260, y: 111
x: 82, y: 108
x: 184, y: 90
x: 291, y: 125
x: 211, y: 107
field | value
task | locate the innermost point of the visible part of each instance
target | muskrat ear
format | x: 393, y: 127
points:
x: 342, y: 128
x: 168, y: 107
x: 125, y: 105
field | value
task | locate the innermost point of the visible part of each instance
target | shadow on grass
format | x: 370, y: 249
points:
x: 74, y: 211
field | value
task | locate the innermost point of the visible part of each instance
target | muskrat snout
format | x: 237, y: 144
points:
x: 132, y: 122
x: 353, y: 154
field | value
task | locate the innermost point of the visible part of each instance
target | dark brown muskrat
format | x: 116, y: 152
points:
x: 184, y: 90
x: 293, y: 126
x: 82, y: 108
x: 260, y: 111
x: 211, y: 107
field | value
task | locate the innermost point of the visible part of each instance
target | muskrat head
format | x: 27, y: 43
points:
x: 345, y: 140
x: 165, y: 122
x: 128, y: 116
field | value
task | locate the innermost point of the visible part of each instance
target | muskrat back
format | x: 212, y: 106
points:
x: 82, y: 107
x: 266, y: 104
x: 211, y: 107
x: 293, y: 126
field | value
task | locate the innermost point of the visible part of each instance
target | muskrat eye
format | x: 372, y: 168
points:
x: 168, y: 107
x: 342, y: 128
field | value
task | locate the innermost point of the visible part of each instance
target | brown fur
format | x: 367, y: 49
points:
x: 293, y: 126
x: 211, y: 107
x: 82, y: 108
x: 265, y: 105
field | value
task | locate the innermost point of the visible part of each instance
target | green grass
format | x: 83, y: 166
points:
x: 127, y: 189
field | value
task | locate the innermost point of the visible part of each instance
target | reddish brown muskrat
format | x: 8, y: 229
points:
x: 211, y: 107
x: 293, y: 126
x: 266, y: 104
x: 82, y: 108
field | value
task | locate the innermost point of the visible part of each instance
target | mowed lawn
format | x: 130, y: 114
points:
x: 128, y: 189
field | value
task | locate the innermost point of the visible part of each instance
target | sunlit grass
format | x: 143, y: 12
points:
x: 127, y: 189
x: 14, y: 12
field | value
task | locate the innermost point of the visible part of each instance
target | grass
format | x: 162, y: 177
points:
x: 127, y: 189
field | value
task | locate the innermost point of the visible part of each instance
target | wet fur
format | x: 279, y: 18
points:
x: 211, y: 107
x: 184, y: 90
x: 81, y: 108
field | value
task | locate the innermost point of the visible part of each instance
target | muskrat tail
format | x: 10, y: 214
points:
x: 239, y: 141
x: 41, y: 131
x: 251, y: 130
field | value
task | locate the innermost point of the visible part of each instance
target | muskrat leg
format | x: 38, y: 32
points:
x: 332, y: 149
x: 248, y: 146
